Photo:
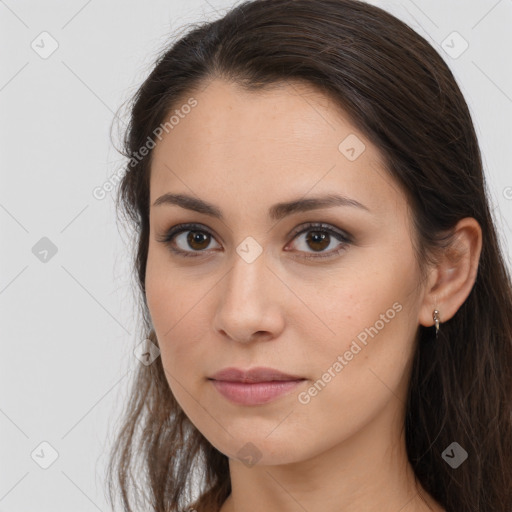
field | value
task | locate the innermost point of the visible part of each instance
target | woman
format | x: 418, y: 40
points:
x: 328, y: 312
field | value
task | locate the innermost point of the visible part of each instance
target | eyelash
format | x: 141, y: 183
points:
x: 316, y: 227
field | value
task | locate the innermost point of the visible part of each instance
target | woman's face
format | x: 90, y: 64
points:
x: 259, y: 288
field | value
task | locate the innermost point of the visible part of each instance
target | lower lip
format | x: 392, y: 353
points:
x: 256, y: 393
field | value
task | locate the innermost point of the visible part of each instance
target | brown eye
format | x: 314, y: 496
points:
x: 318, y: 240
x: 194, y: 240
x: 198, y: 240
x: 318, y: 237
x: 188, y: 240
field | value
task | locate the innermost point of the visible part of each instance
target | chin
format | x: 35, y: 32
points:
x: 259, y: 449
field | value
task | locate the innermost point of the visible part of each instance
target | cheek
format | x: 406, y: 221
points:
x: 369, y: 320
x: 176, y: 323
x: 170, y: 307
x: 178, y: 305
x: 167, y: 295
x: 340, y: 306
x: 175, y: 320
x: 363, y: 368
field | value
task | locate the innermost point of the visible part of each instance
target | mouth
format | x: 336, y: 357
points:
x: 255, y: 393
x: 256, y: 386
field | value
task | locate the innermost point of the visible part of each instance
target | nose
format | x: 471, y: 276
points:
x: 249, y: 303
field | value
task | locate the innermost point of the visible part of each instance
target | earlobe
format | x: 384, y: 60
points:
x: 454, y: 275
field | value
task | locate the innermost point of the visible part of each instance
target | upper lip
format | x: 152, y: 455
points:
x: 258, y: 374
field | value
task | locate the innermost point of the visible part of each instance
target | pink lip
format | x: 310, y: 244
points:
x: 255, y: 386
x: 255, y: 393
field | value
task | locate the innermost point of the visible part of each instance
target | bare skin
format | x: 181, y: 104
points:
x: 343, y: 448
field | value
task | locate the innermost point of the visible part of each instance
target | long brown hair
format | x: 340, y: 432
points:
x: 401, y: 94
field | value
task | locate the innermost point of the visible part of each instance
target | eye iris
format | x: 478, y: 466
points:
x: 318, y: 237
x: 197, y: 237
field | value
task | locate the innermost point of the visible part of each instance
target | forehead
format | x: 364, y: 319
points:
x: 269, y: 144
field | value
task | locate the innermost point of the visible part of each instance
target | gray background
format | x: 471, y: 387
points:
x: 68, y: 324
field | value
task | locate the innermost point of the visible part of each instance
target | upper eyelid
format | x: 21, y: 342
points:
x: 325, y: 226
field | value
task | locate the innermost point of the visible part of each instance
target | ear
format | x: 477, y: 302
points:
x: 451, y: 280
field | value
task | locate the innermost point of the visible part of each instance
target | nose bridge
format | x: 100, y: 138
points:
x: 246, y: 304
x: 247, y: 280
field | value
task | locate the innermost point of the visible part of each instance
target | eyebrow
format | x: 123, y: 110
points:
x: 276, y: 212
